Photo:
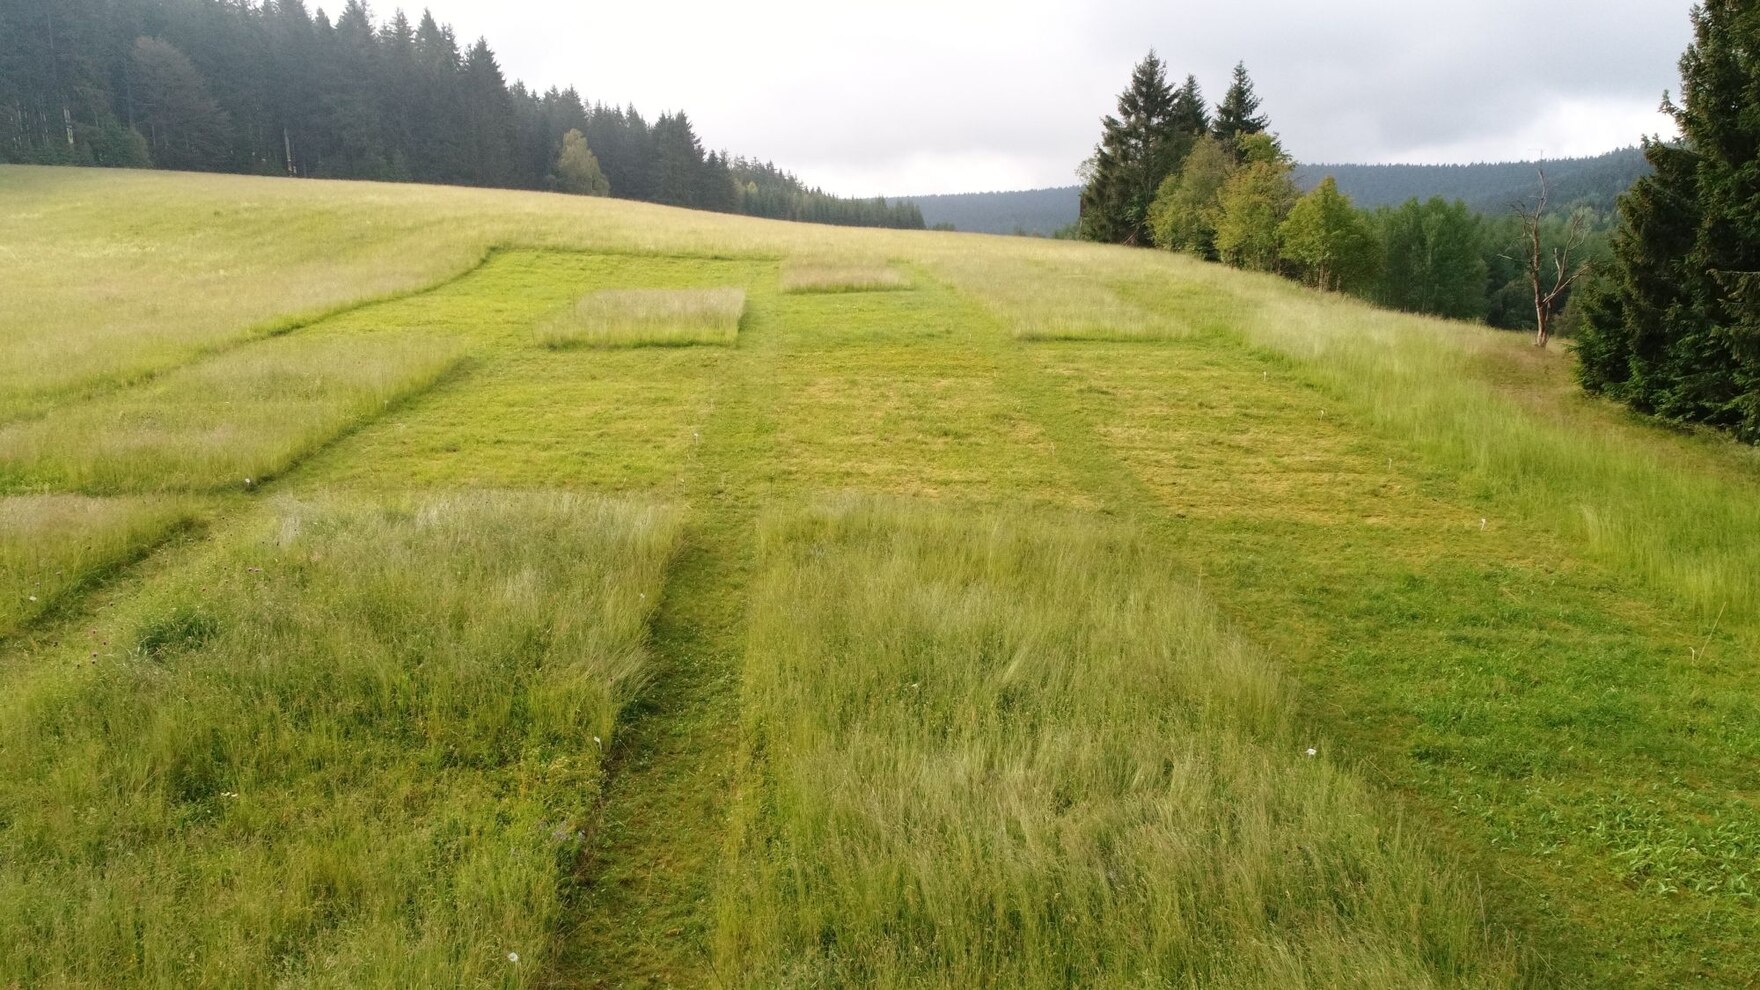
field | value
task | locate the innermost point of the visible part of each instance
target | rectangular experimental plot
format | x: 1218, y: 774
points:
x: 1039, y: 300
x: 994, y: 749
x: 351, y: 745
x: 227, y: 422
x: 906, y: 393
x: 647, y: 318
x: 52, y: 545
x: 808, y: 275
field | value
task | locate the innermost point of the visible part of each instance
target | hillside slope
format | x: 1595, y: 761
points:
x: 1486, y: 188
x: 987, y: 612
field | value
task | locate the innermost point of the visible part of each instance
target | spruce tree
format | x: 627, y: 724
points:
x: 1190, y: 114
x: 1138, y: 149
x: 1676, y: 328
x: 1238, y: 113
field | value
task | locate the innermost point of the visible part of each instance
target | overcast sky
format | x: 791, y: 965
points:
x: 925, y: 96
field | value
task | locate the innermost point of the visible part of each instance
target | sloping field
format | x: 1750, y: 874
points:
x: 982, y: 613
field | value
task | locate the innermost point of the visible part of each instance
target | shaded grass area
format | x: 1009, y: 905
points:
x: 1003, y: 750
x: 229, y: 422
x: 349, y: 746
x: 647, y: 318
x: 807, y: 275
x: 1584, y: 747
x: 53, y: 545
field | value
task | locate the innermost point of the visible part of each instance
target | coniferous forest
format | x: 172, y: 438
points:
x: 275, y: 88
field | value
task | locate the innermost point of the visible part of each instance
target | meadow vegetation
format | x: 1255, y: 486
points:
x: 1140, y: 529
x: 348, y: 745
x: 647, y: 318
x: 834, y: 275
x: 232, y: 421
x: 52, y: 545
x: 1004, y: 750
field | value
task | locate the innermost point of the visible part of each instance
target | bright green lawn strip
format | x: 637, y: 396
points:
x: 1005, y: 750
x: 53, y: 545
x: 350, y: 746
x: 229, y: 422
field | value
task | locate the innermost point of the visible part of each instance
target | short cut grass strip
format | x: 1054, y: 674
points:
x: 648, y: 318
x: 1003, y: 750
x: 351, y: 746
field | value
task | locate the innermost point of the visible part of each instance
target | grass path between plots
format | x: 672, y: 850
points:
x: 640, y: 913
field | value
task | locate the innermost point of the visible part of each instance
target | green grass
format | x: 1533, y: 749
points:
x: 993, y: 750
x: 350, y: 746
x: 1515, y: 623
x: 229, y: 422
x: 647, y: 318
x: 805, y: 275
x: 54, y: 545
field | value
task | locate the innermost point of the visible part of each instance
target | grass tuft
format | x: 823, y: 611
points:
x: 648, y: 318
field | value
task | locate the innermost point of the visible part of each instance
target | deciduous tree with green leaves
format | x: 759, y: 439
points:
x: 1253, y: 204
x: 1328, y: 240
x: 577, y: 170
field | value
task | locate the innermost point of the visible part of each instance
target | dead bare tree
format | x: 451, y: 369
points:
x: 1564, y: 273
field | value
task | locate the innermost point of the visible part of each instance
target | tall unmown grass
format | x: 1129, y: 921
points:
x: 809, y: 275
x: 243, y: 416
x: 1038, y: 300
x: 1000, y: 750
x: 353, y: 746
x: 648, y: 318
x: 51, y: 545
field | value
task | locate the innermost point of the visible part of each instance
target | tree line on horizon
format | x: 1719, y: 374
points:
x: 1173, y: 173
x: 271, y: 88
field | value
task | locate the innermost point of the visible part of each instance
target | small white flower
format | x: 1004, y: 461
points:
x: 597, y: 742
x: 33, y: 598
x: 513, y: 957
x: 1312, y: 751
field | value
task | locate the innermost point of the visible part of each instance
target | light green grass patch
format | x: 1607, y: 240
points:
x: 51, y: 545
x: 1006, y: 750
x: 648, y: 318
x: 231, y: 421
x: 353, y: 746
x: 1042, y: 301
x: 806, y: 275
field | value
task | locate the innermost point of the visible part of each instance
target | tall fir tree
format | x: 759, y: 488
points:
x: 1238, y: 114
x: 1138, y: 148
x: 1190, y: 114
x: 1675, y: 328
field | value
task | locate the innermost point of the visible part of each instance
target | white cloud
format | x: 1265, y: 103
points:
x: 917, y: 96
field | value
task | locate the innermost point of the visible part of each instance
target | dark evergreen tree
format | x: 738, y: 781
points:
x: 1190, y: 114
x: 184, y: 127
x: 1138, y: 148
x: 1675, y: 328
x: 1238, y: 113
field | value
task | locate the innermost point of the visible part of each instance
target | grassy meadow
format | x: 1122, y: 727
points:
x: 1058, y: 615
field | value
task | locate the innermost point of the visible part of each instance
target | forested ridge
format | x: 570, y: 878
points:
x: 275, y: 88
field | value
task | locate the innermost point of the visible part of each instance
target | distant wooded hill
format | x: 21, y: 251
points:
x: 1486, y: 188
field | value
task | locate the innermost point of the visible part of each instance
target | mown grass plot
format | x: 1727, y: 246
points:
x: 1005, y: 750
x: 51, y: 545
x: 807, y: 275
x: 353, y: 747
x: 226, y: 422
x: 648, y: 318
